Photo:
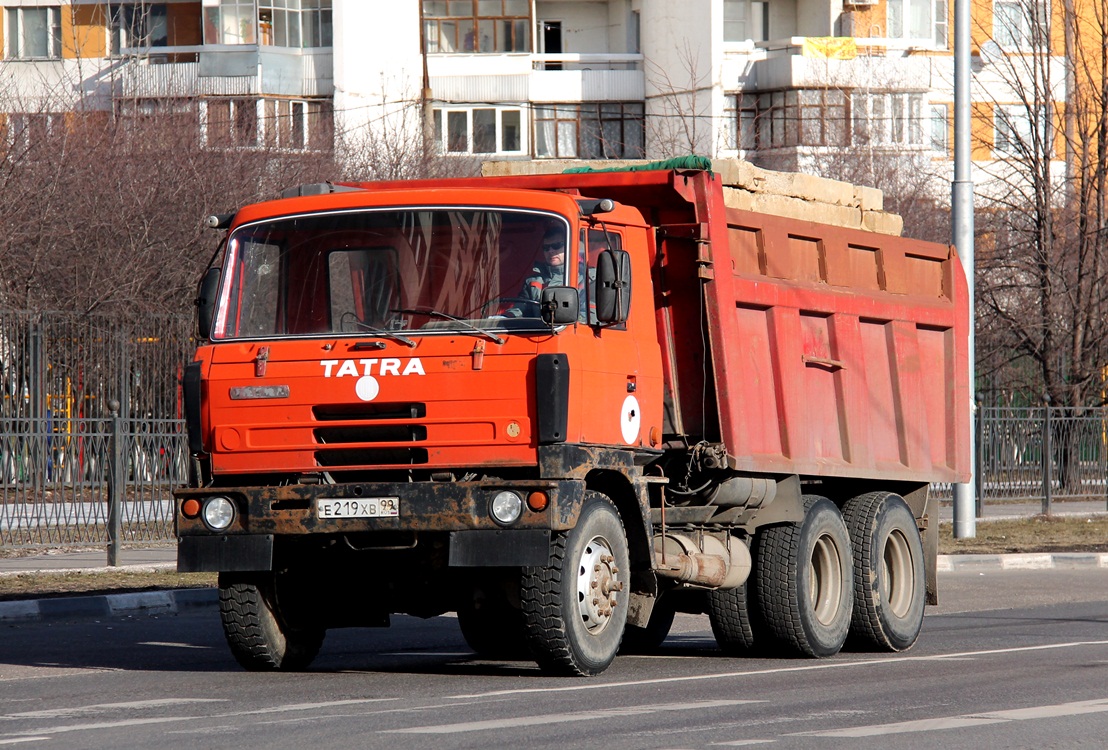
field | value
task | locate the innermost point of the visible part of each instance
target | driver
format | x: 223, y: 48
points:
x: 549, y: 270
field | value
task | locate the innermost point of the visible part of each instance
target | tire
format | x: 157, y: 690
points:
x: 491, y: 626
x: 889, y: 578
x: 646, y: 640
x: 733, y: 615
x: 568, y: 632
x: 805, y: 579
x: 259, y: 638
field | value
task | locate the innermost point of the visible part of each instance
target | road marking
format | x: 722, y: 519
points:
x: 167, y: 644
x: 878, y: 662
x: 531, y: 721
x: 169, y: 719
x: 965, y: 720
x: 17, y: 740
x: 743, y: 743
x: 58, y: 713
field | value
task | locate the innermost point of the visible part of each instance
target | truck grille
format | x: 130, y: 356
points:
x: 336, y: 457
x: 375, y: 423
x: 357, y: 412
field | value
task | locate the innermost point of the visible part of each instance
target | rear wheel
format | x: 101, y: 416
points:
x: 259, y: 636
x: 733, y: 614
x: 575, y: 606
x: 805, y: 579
x: 889, y: 586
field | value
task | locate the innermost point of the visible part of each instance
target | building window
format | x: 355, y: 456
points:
x: 138, y: 26
x: 745, y: 20
x: 229, y: 22
x: 940, y: 128
x: 477, y: 25
x: 1020, y: 24
x: 886, y: 119
x: 913, y: 19
x: 34, y: 32
x: 942, y: 27
x: 295, y: 23
x: 231, y: 123
x: 804, y: 117
x: 606, y: 130
x: 1021, y: 131
x: 27, y: 131
x: 478, y: 130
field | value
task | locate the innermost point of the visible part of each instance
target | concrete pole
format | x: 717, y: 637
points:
x: 965, y: 520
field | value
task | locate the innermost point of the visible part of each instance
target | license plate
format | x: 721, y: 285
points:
x: 370, y: 507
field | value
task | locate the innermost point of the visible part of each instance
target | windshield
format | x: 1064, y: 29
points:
x: 378, y: 272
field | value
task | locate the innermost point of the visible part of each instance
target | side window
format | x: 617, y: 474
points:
x: 364, y: 287
x: 259, y: 292
x: 595, y: 241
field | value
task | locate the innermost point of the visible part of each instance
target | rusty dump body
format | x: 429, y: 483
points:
x: 383, y: 389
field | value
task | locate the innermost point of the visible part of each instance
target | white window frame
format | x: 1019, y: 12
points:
x: 442, y: 116
x: 1012, y: 128
x: 1015, y: 22
x: 745, y: 20
x: 940, y: 128
x: 900, y: 23
x: 889, y: 119
x: 14, y: 33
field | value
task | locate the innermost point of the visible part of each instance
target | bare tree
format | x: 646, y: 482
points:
x: 1041, y: 278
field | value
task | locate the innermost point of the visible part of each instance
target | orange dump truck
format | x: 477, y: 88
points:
x: 400, y: 406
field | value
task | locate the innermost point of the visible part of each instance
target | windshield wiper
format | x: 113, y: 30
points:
x: 470, y: 328
x: 385, y: 334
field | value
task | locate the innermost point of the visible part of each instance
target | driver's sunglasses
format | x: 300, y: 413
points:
x: 553, y: 247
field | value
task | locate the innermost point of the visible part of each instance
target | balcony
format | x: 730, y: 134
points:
x: 840, y: 62
x: 536, y: 78
x: 228, y: 70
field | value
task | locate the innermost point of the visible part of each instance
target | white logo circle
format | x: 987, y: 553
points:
x: 630, y: 419
x: 367, y: 388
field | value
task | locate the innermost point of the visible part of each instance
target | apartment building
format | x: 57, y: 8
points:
x: 784, y: 83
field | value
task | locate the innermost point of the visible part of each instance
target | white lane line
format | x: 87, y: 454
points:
x: 965, y: 720
x: 531, y: 721
x: 744, y: 743
x: 878, y: 662
x: 901, y: 727
x: 17, y: 740
x: 1048, y: 712
x: 58, y: 713
x: 170, y: 719
x: 168, y: 644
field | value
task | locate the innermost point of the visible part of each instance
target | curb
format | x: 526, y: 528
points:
x: 138, y: 603
x: 1033, y: 561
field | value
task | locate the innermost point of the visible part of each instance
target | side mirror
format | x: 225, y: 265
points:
x: 558, y: 305
x: 613, y: 286
x: 205, y: 302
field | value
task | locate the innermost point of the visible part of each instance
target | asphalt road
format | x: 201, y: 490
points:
x: 1010, y: 659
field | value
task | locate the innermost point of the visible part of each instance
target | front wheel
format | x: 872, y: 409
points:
x: 575, y: 606
x: 260, y: 638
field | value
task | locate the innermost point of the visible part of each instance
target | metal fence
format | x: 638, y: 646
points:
x: 92, y: 440
x: 91, y: 430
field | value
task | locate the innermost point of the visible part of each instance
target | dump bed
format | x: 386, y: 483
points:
x: 803, y: 347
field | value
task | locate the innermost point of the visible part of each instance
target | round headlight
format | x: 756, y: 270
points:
x: 219, y: 512
x: 506, y: 507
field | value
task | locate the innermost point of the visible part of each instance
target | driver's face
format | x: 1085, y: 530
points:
x: 554, y: 250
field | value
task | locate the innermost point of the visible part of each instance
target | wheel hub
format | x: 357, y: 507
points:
x: 597, y: 583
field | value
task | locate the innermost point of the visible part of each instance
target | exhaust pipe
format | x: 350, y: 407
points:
x: 711, y: 564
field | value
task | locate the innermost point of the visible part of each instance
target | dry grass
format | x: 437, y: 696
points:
x: 44, y: 583
x: 1034, y: 534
